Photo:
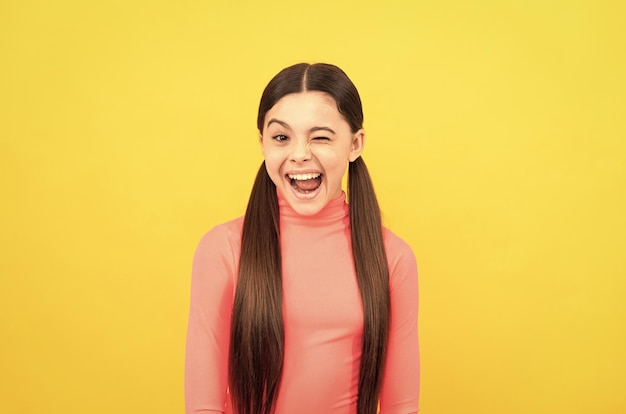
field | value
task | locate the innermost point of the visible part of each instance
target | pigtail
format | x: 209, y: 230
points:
x: 370, y: 261
x: 257, y: 329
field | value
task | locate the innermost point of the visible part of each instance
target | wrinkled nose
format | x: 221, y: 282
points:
x: 300, y: 152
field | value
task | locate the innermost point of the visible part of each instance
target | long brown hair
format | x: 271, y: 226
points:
x: 257, y: 330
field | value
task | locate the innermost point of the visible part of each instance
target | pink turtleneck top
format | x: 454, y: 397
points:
x: 322, y: 314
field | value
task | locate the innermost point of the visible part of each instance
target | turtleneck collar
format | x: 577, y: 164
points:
x: 336, y: 209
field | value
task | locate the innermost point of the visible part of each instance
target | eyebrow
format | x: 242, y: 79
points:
x: 313, y: 129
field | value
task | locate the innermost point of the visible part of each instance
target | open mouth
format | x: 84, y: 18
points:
x: 305, y: 183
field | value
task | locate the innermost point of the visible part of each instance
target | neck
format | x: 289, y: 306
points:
x: 337, y: 208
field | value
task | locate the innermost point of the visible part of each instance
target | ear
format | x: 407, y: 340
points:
x: 261, y: 143
x: 358, y: 142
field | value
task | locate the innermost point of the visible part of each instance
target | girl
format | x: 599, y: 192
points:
x: 306, y: 305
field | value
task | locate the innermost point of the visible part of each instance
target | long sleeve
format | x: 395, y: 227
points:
x: 208, y: 333
x: 322, y: 314
x: 400, y: 390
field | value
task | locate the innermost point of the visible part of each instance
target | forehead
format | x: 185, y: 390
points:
x: 306, y: 108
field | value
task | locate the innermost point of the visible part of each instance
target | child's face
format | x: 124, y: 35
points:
x: 307, y: 145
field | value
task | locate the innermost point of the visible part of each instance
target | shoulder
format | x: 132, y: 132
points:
x: 230, y: 230
x: 223, y: 240
x: 400, y: 256
x: 396, y: 248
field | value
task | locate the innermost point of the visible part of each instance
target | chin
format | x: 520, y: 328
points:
x: 304, y: 206
x: 307, y: 208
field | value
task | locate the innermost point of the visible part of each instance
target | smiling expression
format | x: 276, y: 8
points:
x: 307, y: 145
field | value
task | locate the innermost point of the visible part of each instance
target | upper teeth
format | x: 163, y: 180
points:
x: 309, y: 176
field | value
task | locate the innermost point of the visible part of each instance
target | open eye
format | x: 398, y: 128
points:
x: 280, y: 138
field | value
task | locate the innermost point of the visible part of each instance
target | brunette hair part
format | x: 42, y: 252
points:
x: 257, y: 329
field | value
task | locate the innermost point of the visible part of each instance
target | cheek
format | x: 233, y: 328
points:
x: 273, y: 164
x: 271, y: 155
x: 335, y: 161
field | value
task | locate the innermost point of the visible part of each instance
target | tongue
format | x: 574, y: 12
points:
x: 308, y: 185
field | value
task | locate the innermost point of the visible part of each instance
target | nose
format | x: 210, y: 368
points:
x: 300, y: 151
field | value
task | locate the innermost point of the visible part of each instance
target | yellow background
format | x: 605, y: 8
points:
x: 496, y: 139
